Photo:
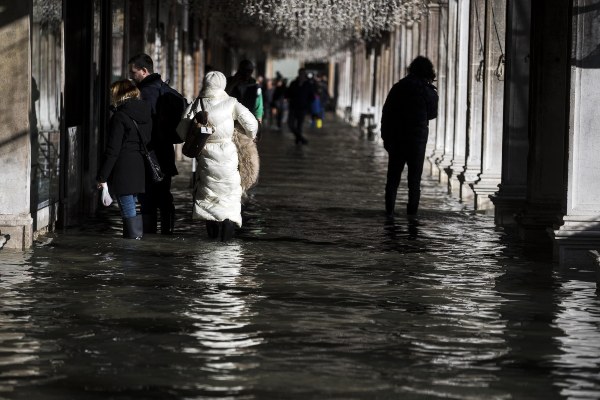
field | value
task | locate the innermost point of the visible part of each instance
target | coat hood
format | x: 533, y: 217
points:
x: 214, y: 85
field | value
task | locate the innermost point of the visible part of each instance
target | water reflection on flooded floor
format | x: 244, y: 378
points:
x: 318, y: 297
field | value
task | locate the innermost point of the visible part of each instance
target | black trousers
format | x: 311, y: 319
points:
x: 296, y: 122
x: 158, y: 196
x: 413, y: 156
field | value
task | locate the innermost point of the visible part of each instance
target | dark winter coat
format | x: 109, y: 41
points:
x: 245, y: 92
x: 123, y: 167
x: 300, y: 95
x: 160, y: 143
x: 409, y: 106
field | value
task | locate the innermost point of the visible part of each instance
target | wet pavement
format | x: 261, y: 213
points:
x: 318, y: 297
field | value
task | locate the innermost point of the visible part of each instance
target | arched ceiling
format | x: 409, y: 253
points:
x: 313, y: 28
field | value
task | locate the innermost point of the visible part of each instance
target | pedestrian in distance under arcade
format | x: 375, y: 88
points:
x: 123, y: 166
x: 410, y: 105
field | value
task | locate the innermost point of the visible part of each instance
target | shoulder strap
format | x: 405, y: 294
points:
x: 137, y: 128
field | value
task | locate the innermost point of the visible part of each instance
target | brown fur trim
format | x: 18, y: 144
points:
x: 248, y: 160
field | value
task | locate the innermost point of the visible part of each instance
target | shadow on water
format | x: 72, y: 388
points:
x: 318, y: 297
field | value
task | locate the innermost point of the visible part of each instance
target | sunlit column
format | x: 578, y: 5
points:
x: 442, y: 85
x: 433, y: 37
x: 15, y: 142
x: 475, y: 99
x: 461, y: 105
x: 581, y: 229
x: 511, y: 196
x: 450, y: 101
x: 493, y: 103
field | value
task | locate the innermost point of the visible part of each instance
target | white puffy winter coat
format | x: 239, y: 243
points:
x: 217, y: 190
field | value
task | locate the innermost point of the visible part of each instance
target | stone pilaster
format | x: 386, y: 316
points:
x: 475, y: 100
x: 433, y: 39
x: 511, y: 196
x: 548, y: 119
x: 493, y: 104
x: 442, y: 85
x: 450, y: 106
x: 15, y: 140
x: 581, y: 229
x: 460, y: 117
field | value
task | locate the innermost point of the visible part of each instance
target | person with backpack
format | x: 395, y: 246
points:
x: 167, y: 108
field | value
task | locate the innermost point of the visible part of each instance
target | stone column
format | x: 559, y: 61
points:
x: 433, y: 38
x: 493, y: 104
x: 548, y: 119
x: 475, y: 100
x: 15, y: 136
x: 460, y: 117
x: 450, y: 101
x: 512, y: 194
x: 442, y: 85
x: 581, y: 229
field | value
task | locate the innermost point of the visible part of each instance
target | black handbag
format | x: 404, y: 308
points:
x: 199, y: 132
x: 152, y: 164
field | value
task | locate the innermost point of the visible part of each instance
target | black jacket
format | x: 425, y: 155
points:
x: 160, y: 143
x: 245, y: 92
x: 300, y: 95
x: 409, y: 106
x: 123, y: 165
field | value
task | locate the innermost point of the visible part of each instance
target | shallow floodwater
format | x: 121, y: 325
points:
x: 318, y: 297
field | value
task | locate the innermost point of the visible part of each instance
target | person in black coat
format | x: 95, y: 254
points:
x: 158, y: 194
x: 124, y: 166
x: 409, y: 106
x: 300, y: 95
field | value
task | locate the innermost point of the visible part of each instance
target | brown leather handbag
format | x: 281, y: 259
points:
x: 199, y: 132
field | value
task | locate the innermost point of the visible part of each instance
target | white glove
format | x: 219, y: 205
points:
x: 106, y: 199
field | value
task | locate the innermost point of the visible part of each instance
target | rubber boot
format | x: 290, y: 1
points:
x: 212, y: 228
x: 390, y: 203
x: 227, y: 230
x: 149, y: 223
x: 133, y: 228
x: 167, y: 220
x: 414, y: 196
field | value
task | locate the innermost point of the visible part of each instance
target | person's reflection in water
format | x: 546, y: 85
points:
x: 395, y: 230
x: 222, y: 316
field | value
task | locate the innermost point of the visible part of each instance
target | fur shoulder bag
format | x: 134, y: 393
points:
x: 248, y: 160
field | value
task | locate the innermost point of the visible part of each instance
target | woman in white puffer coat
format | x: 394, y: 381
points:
x: 217, y: 190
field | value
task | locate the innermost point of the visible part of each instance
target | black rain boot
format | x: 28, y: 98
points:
x: 390, y: 203
x: 167, y: 220
x: 212, y: 228
x: 414, y: 196
x: 227, y: 230
x: 149, y: 223
x: 133, y: 228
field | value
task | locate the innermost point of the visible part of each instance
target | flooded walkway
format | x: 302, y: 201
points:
x: 318, y: 297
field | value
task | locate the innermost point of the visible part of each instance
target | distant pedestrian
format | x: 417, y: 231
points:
x: 246, y: 89
x: 158, y: 194
x: 278, y: 101
x: 300, y: 95
x: 217, y: 190
x: 409, y: 106
x: 123, y: 166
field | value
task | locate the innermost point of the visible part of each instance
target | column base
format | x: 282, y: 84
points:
x: 483, y: 189
x: 574, y: 241
x: 508, y: 202
x: 535, y: 220
x: 20, y: 229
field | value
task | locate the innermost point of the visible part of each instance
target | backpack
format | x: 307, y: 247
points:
x: 169, y: 109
